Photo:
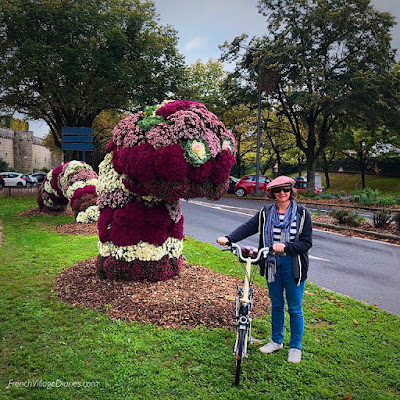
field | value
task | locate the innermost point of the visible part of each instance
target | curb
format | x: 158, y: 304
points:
x: 317, y: 204
x: 314, y: 203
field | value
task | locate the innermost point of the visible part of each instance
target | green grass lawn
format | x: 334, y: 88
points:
x: 352, y: 182
x: 351, y: 350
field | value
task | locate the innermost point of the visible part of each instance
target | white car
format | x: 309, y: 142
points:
x: 13, y: 179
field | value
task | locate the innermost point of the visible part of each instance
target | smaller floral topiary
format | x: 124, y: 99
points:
x: 71, y: 183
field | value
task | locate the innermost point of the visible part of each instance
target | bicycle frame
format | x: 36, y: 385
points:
x: 244, y: 303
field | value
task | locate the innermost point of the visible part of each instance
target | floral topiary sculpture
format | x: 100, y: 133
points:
x: 154, y: 158
x: 73, y: 182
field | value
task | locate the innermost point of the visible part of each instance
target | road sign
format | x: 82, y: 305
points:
x: 80, y: 139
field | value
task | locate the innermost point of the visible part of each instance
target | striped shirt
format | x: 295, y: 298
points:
x: 277, y: 231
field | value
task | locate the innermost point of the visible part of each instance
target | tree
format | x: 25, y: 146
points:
x: 242, y: 121
x: 103, y: 126
x: 203, y: 82
x: 362, y: 143
x: 64, y: 61
x: 330, y: 58
x: 15, y: 124
x: 278, y: 139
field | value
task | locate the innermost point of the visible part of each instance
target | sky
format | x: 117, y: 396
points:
x: 203, y: 25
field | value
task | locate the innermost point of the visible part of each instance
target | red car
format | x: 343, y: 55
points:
x: 2, y: 184
x: 301, y: 185
x: 247, y: 185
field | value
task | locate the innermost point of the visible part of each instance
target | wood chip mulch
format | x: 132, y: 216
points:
x: 35, y: 212
x: 76, y: 228
x: 195, y: 298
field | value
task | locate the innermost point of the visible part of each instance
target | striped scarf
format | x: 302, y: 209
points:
x: 273, y: 220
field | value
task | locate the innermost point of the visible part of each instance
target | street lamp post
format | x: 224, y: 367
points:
x: 266, y: 83
x: 258, y: 143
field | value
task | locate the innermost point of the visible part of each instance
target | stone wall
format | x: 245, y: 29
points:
x: 24, y: 152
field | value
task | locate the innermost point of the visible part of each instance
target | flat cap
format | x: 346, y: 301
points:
x: 281, y: 181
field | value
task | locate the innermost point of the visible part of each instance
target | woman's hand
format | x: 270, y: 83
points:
x: 222, y: 240
x: 278, y: 247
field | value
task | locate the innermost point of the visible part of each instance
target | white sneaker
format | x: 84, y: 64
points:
x: 271, y: 347
x: 294, y: 356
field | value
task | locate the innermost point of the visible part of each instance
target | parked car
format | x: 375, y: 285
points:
x: 2, y: 184
x: 247, y: 185
x: 40, y: 176
x: 13, y: 179
x: 232, y: 183
x: 301, y: 184
x: 30, y: 180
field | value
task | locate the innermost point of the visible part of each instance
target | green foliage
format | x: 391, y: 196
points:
x: 368, y: 197
x: 356, y: 74
x: 350, y: 348
x: 346, y: 217
x: 85, y: 56
x: 386, y: 200
x: 382, y: 218
x: 329, y: 195
x: 13, y: 123
x: 203, y: 82
x: 307, y: 194
x: 3, y: 165
x: 396, y: 219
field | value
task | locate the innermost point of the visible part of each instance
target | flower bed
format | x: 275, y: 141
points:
x: 156, y: 157
x: 71, y: 183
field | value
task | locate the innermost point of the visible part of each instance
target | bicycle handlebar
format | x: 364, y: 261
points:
x: 237, y: 251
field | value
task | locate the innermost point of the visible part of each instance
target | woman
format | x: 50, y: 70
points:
x: 286, y: 227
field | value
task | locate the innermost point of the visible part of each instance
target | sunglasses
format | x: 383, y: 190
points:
x: 279, y: 189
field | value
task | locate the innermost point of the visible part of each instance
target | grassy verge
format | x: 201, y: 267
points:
x: 351, y: 350
x: 349, y: 183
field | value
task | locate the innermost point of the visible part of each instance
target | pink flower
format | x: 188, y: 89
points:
x: 174, y: 106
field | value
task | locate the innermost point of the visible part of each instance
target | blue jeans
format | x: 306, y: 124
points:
x: 285, y: 282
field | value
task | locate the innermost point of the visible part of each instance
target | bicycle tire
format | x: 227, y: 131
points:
x: 239, y: 355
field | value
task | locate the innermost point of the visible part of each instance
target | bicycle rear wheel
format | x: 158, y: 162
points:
x: 239, y: 354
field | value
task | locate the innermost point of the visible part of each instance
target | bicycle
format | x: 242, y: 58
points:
x: 244, y: 302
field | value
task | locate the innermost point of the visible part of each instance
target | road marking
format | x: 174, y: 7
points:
x: 223, y: 207
x: 319, y: 258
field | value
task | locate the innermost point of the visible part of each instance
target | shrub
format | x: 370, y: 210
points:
x: 382, y: 218
x: 396, y: 219
x: 386, y: 200
x: 329, y: 196
x: 346, y: 217
x: 3, y: 165
x: 307, y: 194
x: 368, y: 197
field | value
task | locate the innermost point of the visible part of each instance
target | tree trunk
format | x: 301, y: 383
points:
x: 311, y: 163
x: 326, y: 170
x: 362, y: 169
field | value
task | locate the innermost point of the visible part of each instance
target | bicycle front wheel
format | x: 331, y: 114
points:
x: 239, y: 354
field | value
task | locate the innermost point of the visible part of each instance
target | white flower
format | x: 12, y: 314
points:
x: 142, y: 251
x: 49, y: 189
x: 76, y: 185
x: 109, y: 180
x: 91, y: 214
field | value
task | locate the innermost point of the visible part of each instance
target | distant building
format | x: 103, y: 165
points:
x: 24, y: 152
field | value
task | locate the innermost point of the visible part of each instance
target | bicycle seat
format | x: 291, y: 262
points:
x: 249, y: 251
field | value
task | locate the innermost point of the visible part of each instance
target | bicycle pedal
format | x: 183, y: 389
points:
x: 230, y: 297
x: 255, y: 341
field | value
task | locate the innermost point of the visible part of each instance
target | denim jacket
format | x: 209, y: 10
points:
x: 298, y: 249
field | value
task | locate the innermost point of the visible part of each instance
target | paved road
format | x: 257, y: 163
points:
x: 364, y: 269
